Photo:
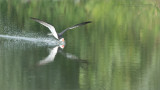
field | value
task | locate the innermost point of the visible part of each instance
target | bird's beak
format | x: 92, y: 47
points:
x: 61, y: 46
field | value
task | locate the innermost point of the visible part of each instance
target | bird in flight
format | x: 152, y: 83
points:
x: 58, y: 36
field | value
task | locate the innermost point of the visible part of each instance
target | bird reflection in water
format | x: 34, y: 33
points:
x: 50, y: 58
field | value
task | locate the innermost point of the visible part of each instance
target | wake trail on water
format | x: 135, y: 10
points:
x: 48, y: 41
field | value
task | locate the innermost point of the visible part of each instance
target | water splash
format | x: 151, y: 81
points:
x: 37, y: 40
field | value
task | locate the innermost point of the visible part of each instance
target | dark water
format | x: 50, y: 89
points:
x: 119, y: 50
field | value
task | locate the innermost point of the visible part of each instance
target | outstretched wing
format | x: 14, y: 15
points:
x: 72, y: 27
x: 51, y: 28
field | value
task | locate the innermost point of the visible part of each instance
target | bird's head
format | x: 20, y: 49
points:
x: 63, y: 42
x: 62, y: 39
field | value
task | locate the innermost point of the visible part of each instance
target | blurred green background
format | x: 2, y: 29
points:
x: 121, y: 45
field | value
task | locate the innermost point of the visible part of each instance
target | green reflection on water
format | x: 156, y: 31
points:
x: 121, y: 45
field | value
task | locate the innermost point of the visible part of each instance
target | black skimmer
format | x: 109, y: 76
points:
x: 53, y: 31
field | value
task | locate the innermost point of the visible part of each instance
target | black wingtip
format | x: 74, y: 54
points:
x: 89, y: 22
x: 83, y: 23
x: 33, y: 18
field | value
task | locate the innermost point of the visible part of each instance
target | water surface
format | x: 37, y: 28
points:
x: 119, y: 50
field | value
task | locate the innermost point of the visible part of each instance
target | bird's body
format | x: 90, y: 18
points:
x: 58, y: 36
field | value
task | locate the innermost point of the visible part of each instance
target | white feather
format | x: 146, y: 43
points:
x: 51, y: 28
x: 50, y: 57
